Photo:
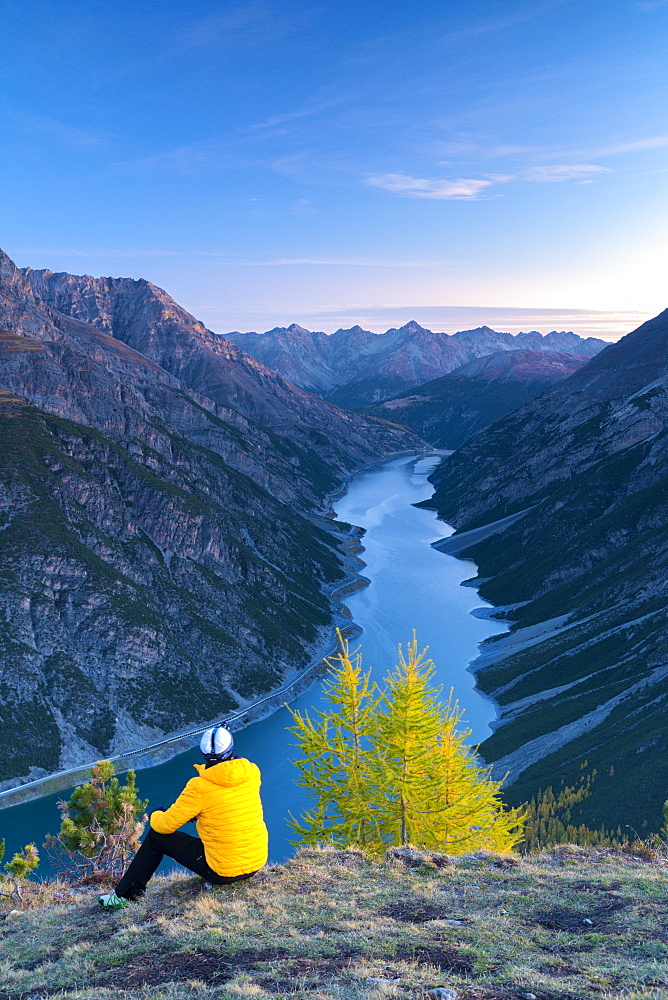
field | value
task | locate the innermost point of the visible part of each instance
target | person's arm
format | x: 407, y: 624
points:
x: 186, y: 807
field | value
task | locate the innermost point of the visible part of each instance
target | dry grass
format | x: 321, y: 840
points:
x: 332, y: 925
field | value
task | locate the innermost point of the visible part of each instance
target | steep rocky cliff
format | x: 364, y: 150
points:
x: 581, y: 567
x: 161, y: 561
x: 323, y: 438
x: 356, y: 368
x: 451, y: 409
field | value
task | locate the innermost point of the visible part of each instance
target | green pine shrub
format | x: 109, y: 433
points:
x: 101, y: 827
x: 22, y: 865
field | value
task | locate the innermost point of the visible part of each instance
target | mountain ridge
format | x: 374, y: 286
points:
x: 162, y: 558
x: 147, y: 319
x: 452, y: 408
x: 580, y: 573
x: 354, y: 367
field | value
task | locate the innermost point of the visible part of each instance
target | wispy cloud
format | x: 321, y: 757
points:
x: 586, y: 322
x: 303, y: 206
x: 576, y: 163
x: 232, y: 258
x: 249, y: 22
x: 475, y: 189
x: 70, y: 136
x: 634, y: 145
x: 564, y: 172
x: 615, y: 147
x: 462, y: 189
x: 214, y: 152
x: 182, y: 161
x: 510, y: 150
x: 487, y: 25
x: 277, y: 121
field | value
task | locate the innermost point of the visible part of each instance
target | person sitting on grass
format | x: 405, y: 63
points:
x: 225, y: 800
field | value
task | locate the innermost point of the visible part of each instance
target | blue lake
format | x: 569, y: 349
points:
x: 413, y: 586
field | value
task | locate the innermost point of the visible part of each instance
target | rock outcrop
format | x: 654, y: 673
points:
x: 162, y: 561
x: 581, y: 565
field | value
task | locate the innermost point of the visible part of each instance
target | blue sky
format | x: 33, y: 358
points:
x: 456, y: 162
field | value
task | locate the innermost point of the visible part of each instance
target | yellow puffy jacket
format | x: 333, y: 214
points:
x: 225, y: 799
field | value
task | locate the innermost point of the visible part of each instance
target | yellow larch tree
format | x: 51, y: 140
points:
x: 391, y: 766
x: 337, y: 767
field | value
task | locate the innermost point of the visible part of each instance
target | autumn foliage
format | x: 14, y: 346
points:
x: 390, y: 765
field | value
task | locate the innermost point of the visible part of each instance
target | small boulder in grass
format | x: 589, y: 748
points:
x: 411, y: 857
x: 498, y: 860
x: 353, y: 855
x: 442, y: 993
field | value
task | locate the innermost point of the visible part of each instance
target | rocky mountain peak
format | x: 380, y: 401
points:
x: 21, y: 310
x: 147, y: 319
x: 354, y: 367
x: 293, y: 328
x: 7, y: 266
x: 351, y: 330
x: 412, y: 327
x: 478, y: 331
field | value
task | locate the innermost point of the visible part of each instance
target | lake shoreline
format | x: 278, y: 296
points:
x: 173, y: 744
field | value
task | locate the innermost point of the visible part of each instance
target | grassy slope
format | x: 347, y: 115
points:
x: 327, y: 922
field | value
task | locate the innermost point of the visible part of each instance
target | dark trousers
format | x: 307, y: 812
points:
x: 187, y: 850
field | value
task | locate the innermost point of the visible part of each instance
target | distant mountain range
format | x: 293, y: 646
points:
x: 563, y: 504
x: 451, y: 409
x: 353, y: 368
x: 162, y: 561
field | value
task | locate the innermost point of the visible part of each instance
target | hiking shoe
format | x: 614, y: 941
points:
x: 110, y: 901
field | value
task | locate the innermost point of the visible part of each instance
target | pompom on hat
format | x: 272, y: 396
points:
x: 217, y: 744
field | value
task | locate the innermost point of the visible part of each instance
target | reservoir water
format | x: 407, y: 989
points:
x: 413, y: 586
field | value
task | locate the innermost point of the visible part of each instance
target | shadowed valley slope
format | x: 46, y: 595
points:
x: 451, y: 409
x: 161, y: 561
x: 582, y: 679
